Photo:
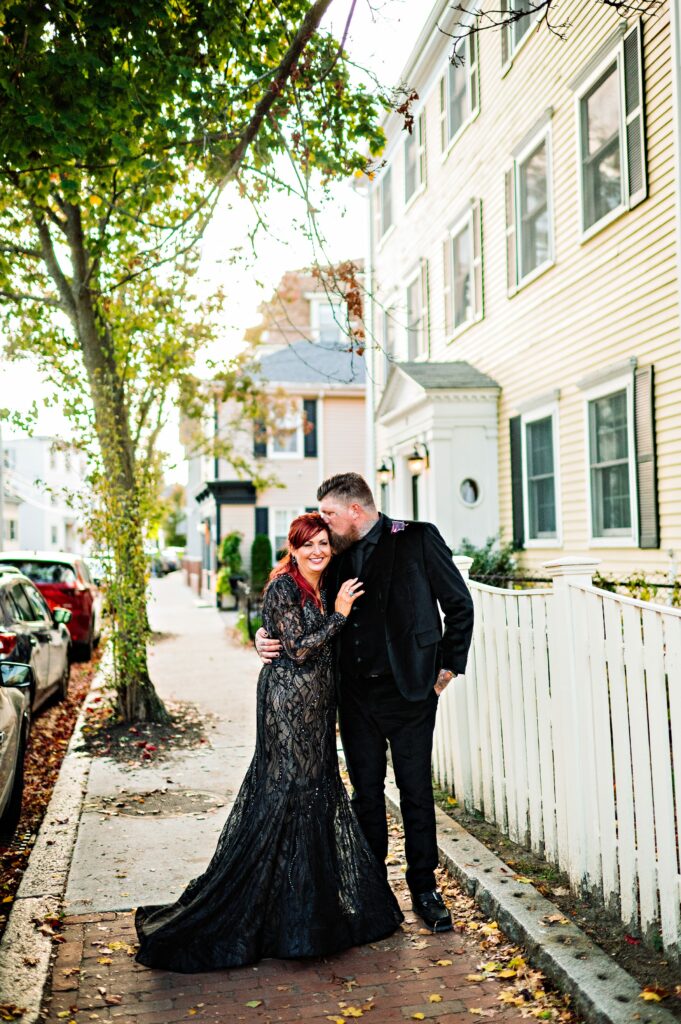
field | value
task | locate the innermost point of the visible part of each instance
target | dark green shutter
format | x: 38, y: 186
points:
x: 310, y: 428
x: 259, y: 439
x: 635, y: 120
x: 515, y: 425
x: 646, y: 463
x: 262, y: 521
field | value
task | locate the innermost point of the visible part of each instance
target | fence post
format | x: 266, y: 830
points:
x: 570, y: 705
x: 456, y: 720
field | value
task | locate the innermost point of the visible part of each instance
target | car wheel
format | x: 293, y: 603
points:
x: 10, y: 817
x: 63, y: 688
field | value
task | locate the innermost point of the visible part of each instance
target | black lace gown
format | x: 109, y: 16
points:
x: 292, y: 875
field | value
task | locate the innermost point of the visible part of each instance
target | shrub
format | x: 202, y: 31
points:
x: 492, y: 559
x: 261, y: 562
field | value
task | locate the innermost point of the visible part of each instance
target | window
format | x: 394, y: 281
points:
x: 611, y: 452
x: 287, y: 435
x: 13, y: 529
x: 40, y: 609
x: 540, y: 485
x: 417, y: 313
x: 529, y: 215
x: 281, y: 520
x: 415, y: 158
x: 459, y: 99
x: 328, y: 329
x: 518, y: 21
x: 463, y: 271
x: 22, y: 608
x: 383, y: 204
x: 54, y: 534
x: 611, y: 135
x: 388, y: 341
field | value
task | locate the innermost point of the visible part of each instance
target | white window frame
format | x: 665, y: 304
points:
x: 472, y: 69
x: 419, y: 137
x: 296, y: 412
x: 387, y: 315
x: 545, y: 133
x: 291, y: 514
x: 514, y: 49
x: 609, y: 387
x: 466, y: 221
x: 422, y: 353
x: 541, y: 413
x: 616, y: 55
x: 316, y: 302
x: 383, y: 232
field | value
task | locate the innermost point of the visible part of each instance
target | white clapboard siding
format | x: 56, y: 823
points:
x: 566, y: 734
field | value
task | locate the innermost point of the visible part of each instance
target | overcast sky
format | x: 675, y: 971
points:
x: 381, y: 37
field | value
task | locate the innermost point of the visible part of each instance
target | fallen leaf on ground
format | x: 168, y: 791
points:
x: 435, y: 998
x: 253, y: 1003
x: 336, y: 1020
x: 480, y: 1012
x: 113, y: 1000
x: 653, y: 993
x: 443, y: 963
x: 418, y: 1016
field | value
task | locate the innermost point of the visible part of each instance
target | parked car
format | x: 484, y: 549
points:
x: 64, y: 580
x: 34, y: 666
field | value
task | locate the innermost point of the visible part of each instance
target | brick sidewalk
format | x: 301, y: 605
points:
x: 410, y: 976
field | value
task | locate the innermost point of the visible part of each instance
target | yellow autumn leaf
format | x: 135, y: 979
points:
x: 104, y: 960
x: 451, y: 801
x: 506, y: 973
x: 490, y: 929
x: 353, y: 1011
x: 435, y: 998
x: 336, y: 1020
x: 522, y: 878
x: 253, y: 1003
x: 473, y: 925
x: 7, y: 899
x: 475, y: 977
x: 650, y: 996
x: 443, y: 963
x: 63, y: 1013
x: 418, y: 1016
x: 517, y: 961
x: 539, y: 993
x: 491, y: 966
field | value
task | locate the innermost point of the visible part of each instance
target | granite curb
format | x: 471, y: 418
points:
x: 601, y: 991
x: 25, y: 951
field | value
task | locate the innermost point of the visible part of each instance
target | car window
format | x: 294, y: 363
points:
x: 85, y: 572
x: 23, y: 609
x: 37, y: 602
x: 45, y: 572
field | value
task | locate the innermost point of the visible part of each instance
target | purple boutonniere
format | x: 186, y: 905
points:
x: 397, y: 526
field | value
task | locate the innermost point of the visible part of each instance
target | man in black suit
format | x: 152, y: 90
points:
x: 393, y: 662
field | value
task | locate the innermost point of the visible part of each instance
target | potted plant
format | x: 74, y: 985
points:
x: 230, y: 571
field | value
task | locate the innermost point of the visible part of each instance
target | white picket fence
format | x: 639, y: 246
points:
x: 566, y: 733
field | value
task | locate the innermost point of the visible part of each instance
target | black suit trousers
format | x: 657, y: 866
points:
x: 373, y: 713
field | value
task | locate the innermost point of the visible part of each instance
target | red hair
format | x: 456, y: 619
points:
x: 302, y: 529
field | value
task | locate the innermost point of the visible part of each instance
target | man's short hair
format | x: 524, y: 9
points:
x: 348, y: 488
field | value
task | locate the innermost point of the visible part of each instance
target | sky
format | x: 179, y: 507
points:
x: 381, y: 37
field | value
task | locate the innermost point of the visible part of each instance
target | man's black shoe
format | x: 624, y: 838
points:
x: 432, y: 908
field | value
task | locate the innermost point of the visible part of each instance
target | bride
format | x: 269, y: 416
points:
x: 292, y: 875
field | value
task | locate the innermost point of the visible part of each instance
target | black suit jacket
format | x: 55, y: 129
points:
x: 413, y: 573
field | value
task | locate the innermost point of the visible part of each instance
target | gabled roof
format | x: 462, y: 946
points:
x: 309, y: 362
x: 446, y: 375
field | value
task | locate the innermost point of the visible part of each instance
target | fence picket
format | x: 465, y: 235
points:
x: 672, y: 648
x: 605, y: 780
x: 640, y: 757
x: 498, y: 813
x: 540, y: 653
x: 663, y: 787
x: 484, y: 717
x: 506, y: 716
x: 530, y: 722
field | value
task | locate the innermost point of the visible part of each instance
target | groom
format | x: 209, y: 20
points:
x: 393, y: 661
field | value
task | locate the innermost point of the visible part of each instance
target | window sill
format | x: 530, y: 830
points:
x: 384, y: 238
x: 537, y: 272
x: 613, y: 542
x: 413, y: 197
x: 537, y: 544
x: 461, y: 329
x: 604, y: 222
x: 457, y: 135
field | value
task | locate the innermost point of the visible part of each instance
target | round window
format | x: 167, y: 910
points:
x: 469, y: 491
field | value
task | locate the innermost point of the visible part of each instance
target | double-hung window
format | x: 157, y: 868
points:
x: 529, y: 213
x: 383, y: 203
x: 611, y: 134
x: 539, y: 438
x: 415, y: 158
x: 463, y: 270
x: 459, y: 92
x: 327, y: 327
x: 417, y: 312
x: 281, y: 520
x: 518, y: 17
x: 612, y: 480
x: 286, y: 435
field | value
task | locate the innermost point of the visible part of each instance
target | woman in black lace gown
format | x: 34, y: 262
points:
x: 292, y: 875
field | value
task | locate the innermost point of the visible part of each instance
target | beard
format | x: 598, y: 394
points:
x: 341, y: 543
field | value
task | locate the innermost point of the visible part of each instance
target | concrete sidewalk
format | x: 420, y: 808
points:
x: 122, y: 859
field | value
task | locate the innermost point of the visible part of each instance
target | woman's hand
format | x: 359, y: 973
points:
x: 347, y: 595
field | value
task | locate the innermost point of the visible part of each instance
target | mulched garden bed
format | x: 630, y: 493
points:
x: 50, y: 734
x: 658, y: 975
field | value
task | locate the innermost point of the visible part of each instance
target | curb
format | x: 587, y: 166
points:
x: 25, y: 952
x: 601, y: 991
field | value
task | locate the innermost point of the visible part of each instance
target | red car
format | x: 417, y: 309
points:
x: 64, y: 580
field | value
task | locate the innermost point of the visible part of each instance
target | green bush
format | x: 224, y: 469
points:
x: 222, y: 584
x: 492, y: 559
x: 261, y: 562
x: 230, y: 553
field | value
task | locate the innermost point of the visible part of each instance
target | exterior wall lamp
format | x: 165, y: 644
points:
x: 418, y: 460
x: 386, y: 471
